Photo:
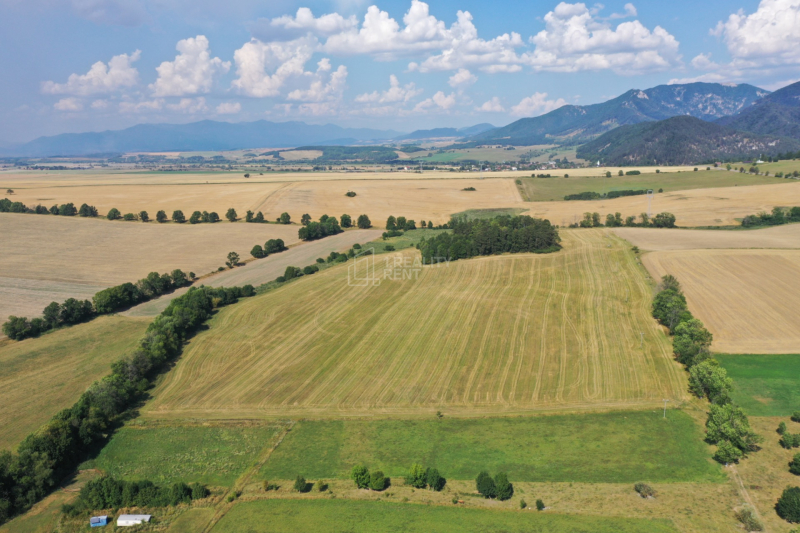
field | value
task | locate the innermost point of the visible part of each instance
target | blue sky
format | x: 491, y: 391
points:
x: 89, y: 65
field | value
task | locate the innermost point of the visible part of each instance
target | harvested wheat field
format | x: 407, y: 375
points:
x: 39, y: 377
x: 747, y: 298
x: 512, y: 333
x: 48, y: 258
x: 652, y: 239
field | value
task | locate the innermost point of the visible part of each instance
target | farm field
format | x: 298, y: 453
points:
x: 336, y: 515
x: 49, y: 258
x: 43, y: 375
x: 438, y: 341
x: 764, y: 385
x: 626, y: 447
x: 746, y: 298
x: 555, y: 188
x: 652, y: 239
x: 267, y: 269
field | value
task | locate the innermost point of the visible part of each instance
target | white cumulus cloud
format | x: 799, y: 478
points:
x: 303, y: 22
x: 462, y: 78
x: 191, y: 72
x: 766, y: 37
x: 264, y: 68
x: 229, y: 108
x: 99, y: 104
x: 144, y: 106
x: 438, y: 100
x: 189, y: 105
x: 326, y: 85
x: 536, y: 104
x: 101, y: 78
x: 491, y: 106
x: 68, y: 104
x: 395, y: 93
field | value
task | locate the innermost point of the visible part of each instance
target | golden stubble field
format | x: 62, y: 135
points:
x: 652, y: 239
x: 570, y: 330
x: 747, y: 298
x: 48, y: 258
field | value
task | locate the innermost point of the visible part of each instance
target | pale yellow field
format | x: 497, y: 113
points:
x: 48, y: 258
x: 499, y: 334
x: 652, y: 239
x: 747, y: 298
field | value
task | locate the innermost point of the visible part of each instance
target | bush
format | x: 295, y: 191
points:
x: 320, y: 485
x: 795, y: 416
x: 522, y: 504
x: 129, y: 216
x: 257, y: 251
x: 417, y: 476
x: 310, y: 269
x: 389, y: 248
x: 748, y: 519
x: 505, y: 490
x: 361, y: 476
x: 377, y: 481
x: 113, y: 214
x: 788, y: 506
x: 781, y: 428
x: 539, y: 505
x: 177, y: 216
x: 485, y: 485
x: 300, y: 484
x: 794, y: 465
x: 644, y: 490
x: 790, y: 440
x: 435, y: 480
x: 350, y: 194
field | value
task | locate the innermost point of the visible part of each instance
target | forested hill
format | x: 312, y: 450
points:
x: 680, y: 141
x: 570, y: 123
x: 777, y: 114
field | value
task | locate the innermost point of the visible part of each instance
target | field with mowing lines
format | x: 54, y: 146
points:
x: 39, y: 377
x: 278, y: 516
x: 616, y: 447
x: 47, y: 258
x: 764, y: 385
x: 555, y: 188
x: 514, y: 333
x: 747, y: 298
x: 214, y: 455
x: 787, y: 236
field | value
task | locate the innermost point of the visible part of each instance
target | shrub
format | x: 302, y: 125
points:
x: 485, y: 485
x: 320, y: 485
x: 361, y: 476
x: 522, y: 504
x: 350, y: 194
x: 377, y: 481
x: 129, y: 216
x: 310, y: 269
x: 505, y: 490
x: 389, y: 248
x: 434, y: 480
x: 113, y: 214
x: 790, y: 440
x: 417, y: 476
x: 644, y: 490
x: 177, y: 216
x: 748, y: 519
x: 795, y: 416
x: 468, y: 189
x: 788, y: 506
x: 257, y: 251
x: 300, y: 484
x: 794, y: 465
x: 539, y: 505
x: 781, y: 428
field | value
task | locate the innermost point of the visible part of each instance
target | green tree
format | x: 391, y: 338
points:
x: 52, y: 314
x: 540, y: 505
x: 709, y: 380
x: 416, y: 476
x: 143, y: 216
x: 213, y: 217
x: 196, y: 217
x: 620, y: 173
x: 781, y: 428
x: 608, y: 173
x: 285, y: 218
x: 363, y: 222
x: 177, y: 216
x: 257, y: 251
x: 669, y: 307
x: 391, y: 223
x: 377, y: 481
x: 360, y: 474
x: 114, y: 214
x: 231, y: 215
x: 434, y: 479
x: 794, y: 465
x: 305, y: 219
x: 233, y: 259
x: 161, y: 217
x: 728, y: 423
x: 346, y: 221
x: 67, y: 210
x: 485, y: 485
x: 300, y: 484
x: 259, y: 218
x: 788, y: 506
x: 248, y: 217
x: 691, y: 342
x: 505, y: 490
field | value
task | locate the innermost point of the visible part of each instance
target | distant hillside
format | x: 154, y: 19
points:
x: 777, y: 114
x: 680, y: 141
x: 438, y: 133
x: 574, y: 124
x: 199, y: 136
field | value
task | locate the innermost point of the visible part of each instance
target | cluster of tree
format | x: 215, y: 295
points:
x: 48, y: 455
x: 727, y: 425
x: 74, y: 311
x: 370, y: 481
x: 788, y: 174
x: 109, y: 493
x: 421, y: 477
x: 403, y: 224
x: 788, y: 506
x: 540, y: 176
x: 502, y: 234
x: 198, y: 217
x: 318, y: 230
x: 592, y: 220
x: 590, y: 195
x: 64, y: 210
x: 272, y: 246
x: 778, y: 217
x: 498, y: 487
x: 790, y: 440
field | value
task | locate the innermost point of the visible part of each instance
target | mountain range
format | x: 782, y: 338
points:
x: 776, y: 114
x: 438, y: 133
x: 576, y: 124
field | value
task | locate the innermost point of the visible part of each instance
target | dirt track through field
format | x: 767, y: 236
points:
x: 497, y: 334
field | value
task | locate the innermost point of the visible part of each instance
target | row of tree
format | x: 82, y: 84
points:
x: 498, y: 487
x: 727, y: 425
x: 403, y: 224
x: 317, y: 230
x: 109, y: 300
x: 593, y: 220
x: 65, y: 210
x: 591, y: 195
x: 777, y: 217
x: 502, y: 234
x: 46, y: 456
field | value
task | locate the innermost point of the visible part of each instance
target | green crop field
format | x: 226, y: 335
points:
x: 765, y: 385
x: 547, y: 189
x: 213, y: 455
x: 407, y: 240
x: 41, y: 376
x: 574, y: 331
x: 277, y: 516
x: 618, y: 447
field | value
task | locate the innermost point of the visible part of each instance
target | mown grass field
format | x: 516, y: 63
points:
x: 555, y: 188
x: 41, y: 376
x: 617, y: 447
x: 765, y: 385
x: 374, y: 517
x: 515, y: 333
x: 215, y: 455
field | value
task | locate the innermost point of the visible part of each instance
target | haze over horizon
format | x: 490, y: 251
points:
x: 93, y: 65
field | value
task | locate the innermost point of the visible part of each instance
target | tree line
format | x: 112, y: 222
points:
x: 272, y: 246
x: 727, y: 425
x: 110, y: 300
x: 777, y: 217
x: 502, y: 234
x: 64, y: 210
x: 593, y: 220
x: 49, y: 454
x: 591, y: 195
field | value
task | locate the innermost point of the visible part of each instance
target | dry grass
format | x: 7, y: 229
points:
x: 48, y: 258
x: 747, y: 298
x: 41, y: 376
x: 498, y: 334
x: 787, y: 236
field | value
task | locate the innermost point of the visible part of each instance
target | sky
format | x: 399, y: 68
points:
x: 93, y: 65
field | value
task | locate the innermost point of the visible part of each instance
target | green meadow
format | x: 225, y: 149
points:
x: 764, y: 385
